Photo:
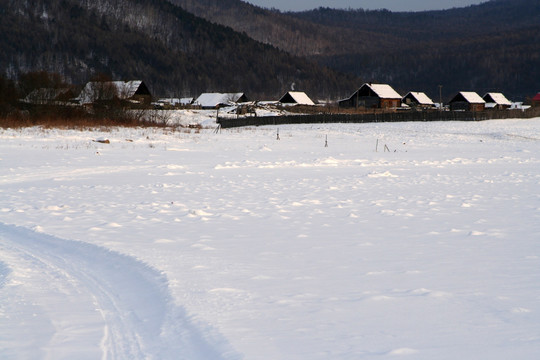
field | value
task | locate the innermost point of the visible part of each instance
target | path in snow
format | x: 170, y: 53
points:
x: 289, y: 249
x: 80, y: 301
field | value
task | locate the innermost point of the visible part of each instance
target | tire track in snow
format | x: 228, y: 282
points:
x: 96, y: 301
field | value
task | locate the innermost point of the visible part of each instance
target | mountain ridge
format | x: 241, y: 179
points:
x: 494, y: 46
x: 385, y: 46
x: 175, y: 52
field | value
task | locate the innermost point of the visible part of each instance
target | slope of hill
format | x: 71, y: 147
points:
x: 475, y: 20
x: 287, y: 31
x: 491, y: 46
x: 175, y: 52
x: 494, y: 46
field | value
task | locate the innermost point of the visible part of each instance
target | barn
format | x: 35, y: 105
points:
x: 497, y: 101
x: 467, y: 101
x: 418, y: 100
x: 536, y: 101
x: 373, y: 96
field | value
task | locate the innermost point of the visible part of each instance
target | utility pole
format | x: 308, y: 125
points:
x: 440, y: 98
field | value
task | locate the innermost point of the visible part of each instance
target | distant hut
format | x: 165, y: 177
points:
x: 418, y: 100
x: 373, y: 96
x: 134, y: 91
x: 186, y: 101
x: 171, y: 103
x: 217, y: 100
x: 497, y: 101
x: 467, y: 101
x: 535, y: 101
x: 296, y: 98
x: 49, y: 96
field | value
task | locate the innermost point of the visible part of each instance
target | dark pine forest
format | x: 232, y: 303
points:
x: 185, y: 47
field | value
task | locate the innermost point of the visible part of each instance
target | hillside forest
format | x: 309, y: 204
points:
x: 185, y: 47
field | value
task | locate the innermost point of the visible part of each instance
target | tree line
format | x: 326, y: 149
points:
x: 19, y: 108
x: 493, y: 46
x: 175, y: 52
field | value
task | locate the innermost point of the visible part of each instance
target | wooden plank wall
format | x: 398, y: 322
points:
x: 380, y: 117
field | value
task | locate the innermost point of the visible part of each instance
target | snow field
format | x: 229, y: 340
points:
x: 286, y: 249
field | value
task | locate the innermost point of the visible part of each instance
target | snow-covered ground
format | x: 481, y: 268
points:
x: 236, y: 245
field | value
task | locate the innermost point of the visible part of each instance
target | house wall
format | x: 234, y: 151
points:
x: 459, y: 106
x: 143, y: 99
x: 390, y: 103
x: 369, y: 102
x: 477, y: 107
x: 465, y: 106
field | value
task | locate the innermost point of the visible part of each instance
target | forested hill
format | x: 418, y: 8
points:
x: 475, y: 20
x: 173, y: 51
x: 494, y: 46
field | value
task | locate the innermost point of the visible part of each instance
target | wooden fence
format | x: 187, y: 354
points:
x: 379, y: 117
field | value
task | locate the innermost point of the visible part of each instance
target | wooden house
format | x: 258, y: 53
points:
x: 217, y: 100
x: 535, y: 101
x: 467, y: 101
x: 497, y: 101
x: 134, y: 91
x: 49, y: 96
x: 418, y: 100
x: 296, y: 98
x: 373, y: 96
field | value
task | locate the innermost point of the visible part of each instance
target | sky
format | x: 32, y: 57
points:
x: 393, y: 5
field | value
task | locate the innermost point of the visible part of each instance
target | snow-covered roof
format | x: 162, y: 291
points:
x: 124, y: 90
x: 472, y: 98
x: 297, y: 97
x: 45, y: 95
x: 176, y: 101
x: 421, y: 98
x: 186, y: 101
x: 211, y: 100
x: 384, y: 91
x: 498, y: 98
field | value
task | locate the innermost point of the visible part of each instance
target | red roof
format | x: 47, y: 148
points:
x: 537, y: 97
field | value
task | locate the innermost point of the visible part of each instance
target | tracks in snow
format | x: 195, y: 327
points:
x: 89, y: 303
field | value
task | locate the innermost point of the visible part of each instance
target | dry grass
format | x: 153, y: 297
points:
x: 73, y: 121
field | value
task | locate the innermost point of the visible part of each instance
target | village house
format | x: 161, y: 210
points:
x: 418, y: 100
x: 169, y: 103
x: 217, y: 100
x: 497, y: 101
x: 535, y: 101
x: 467, y: 101
x: 49, y: 96
x: 373, y: 96
x: 296, y: 98
x: 134, y: 91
